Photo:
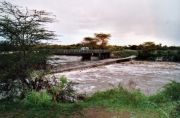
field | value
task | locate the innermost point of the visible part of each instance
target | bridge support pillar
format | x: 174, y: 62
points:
x: 104, y: 55
x: 86, y: 57
x: 108, y: 55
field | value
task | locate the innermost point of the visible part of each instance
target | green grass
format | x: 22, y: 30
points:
x: 39, y: 99
x: 118, y: 97
x: 165, y: 104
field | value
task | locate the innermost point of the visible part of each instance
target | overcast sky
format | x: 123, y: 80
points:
x: 129, y: 21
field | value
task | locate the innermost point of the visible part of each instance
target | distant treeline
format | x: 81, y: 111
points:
x: 155, y: 47
x: 150, y: 51
x: 145, y: 51
x: 6, y: 46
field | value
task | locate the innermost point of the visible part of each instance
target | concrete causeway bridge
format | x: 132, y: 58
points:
x: 86, y: 54
x: 81, y: 65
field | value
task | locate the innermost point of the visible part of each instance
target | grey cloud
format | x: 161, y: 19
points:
x: 127, y: 20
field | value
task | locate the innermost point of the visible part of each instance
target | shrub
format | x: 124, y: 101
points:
x: 63, y: 81
x: 14, y: 71
x: 37, y: 80
x: 63, y: 90
x: 167, y: 55
x: 158, y: 98
x: 171, y: 92
x: 146, y: 55
x: 125, y: 53
x: 40, y: 99
x: 177, y: 56
x: 175, y: 113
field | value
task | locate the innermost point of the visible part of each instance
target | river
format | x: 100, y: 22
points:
x: 148, y: 77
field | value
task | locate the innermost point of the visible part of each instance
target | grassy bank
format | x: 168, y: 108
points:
x: 112, y: 103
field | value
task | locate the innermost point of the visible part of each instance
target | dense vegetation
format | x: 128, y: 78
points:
x: 22, y: 29
x: 164, y: 104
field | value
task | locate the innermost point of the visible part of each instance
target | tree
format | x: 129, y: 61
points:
x: 148, y: 46
x: 23, y: 27
x: 102, y: 38
x: 147, y: 49
x: 90, y: 42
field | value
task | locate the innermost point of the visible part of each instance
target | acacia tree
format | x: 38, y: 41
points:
x: 90, y: 41
x: 102, y: 38
x: 22, y: 27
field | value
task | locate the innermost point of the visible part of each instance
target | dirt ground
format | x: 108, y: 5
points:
x: 100, y: 113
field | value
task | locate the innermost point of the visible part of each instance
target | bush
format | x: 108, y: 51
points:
x: 175, y: 113
x: 63, y: 90
x: 63, y: 81
x: 158, y: 98
x: 146, y: 55
x: 38, y: 99
x: 125, y: 53
x: 171, y: 92
x: 177, y: 56
x: 15, y: 71
x: 167, y: 55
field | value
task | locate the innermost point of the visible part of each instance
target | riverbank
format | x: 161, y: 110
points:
x: 118, y: 103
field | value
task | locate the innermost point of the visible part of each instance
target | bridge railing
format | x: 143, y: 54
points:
x: 78, y: 51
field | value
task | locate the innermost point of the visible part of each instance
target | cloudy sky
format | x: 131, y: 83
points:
x: 129, y: 21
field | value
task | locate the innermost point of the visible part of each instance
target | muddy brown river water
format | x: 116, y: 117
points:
x: 148, y: 77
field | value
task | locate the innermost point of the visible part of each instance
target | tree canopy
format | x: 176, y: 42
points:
x: 99, y: 39
x: 149, y: 46
x: 90, y: 42
x: 23, y: 27
x: 102, y: 38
